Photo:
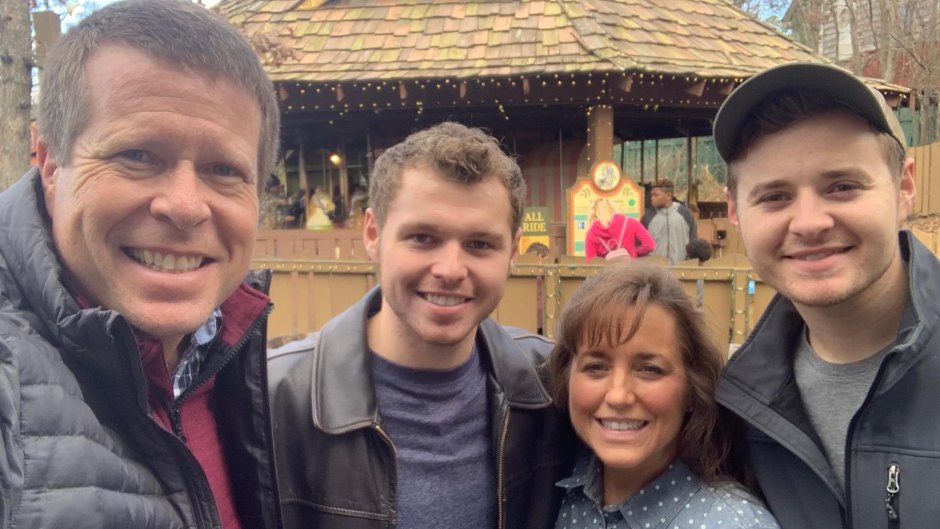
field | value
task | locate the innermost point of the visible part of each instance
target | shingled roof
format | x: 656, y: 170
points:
x: 369, y: 40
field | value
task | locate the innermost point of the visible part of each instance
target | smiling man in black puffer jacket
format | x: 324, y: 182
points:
x: 132, y: 375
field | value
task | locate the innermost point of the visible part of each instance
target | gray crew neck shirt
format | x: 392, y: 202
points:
x: 831, y: 394
x: 439, y: 423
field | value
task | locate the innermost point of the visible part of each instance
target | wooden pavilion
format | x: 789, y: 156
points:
x: 561, y: 82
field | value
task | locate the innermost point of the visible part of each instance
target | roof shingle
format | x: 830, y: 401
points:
x: 415, y: 39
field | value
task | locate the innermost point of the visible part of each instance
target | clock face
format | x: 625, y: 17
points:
x: 606, y: 175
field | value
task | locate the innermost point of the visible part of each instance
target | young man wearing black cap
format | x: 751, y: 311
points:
x: 837, y: 383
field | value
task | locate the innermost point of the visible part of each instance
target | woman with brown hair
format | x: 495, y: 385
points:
x: 636, y: 372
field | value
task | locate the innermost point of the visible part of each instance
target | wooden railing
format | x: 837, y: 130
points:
x: 307, y: 293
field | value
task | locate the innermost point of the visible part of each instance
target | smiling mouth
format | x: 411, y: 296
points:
x: 445, y: 301
x: 165, y: 262
x: 818, y: 256
x: 623, y: 426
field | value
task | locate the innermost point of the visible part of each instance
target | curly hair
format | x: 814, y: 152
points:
x: 596, y: 314
x: 453, y: 151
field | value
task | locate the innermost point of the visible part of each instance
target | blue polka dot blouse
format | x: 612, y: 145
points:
x: 677, y: 499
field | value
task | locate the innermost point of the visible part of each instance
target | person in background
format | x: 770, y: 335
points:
x: 132, y: 388
x: 698, y: 249
x: 413, y: 408
x: 271, y: 205
x: 701, y: 250
x: 614, y: 234
x: 670, y: 223
x: 319, y: 209
x: 837, y: 384
x: 339, y: 212
x: 636, y: 373
x: 358, y: 203
x: 296, y: 210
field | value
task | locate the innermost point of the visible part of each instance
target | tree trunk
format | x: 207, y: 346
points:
x: 15, y: 83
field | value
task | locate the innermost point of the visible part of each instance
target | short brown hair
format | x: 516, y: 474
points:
x: 596, y: 314
x: 177, y: 31
x: 455, y: 152
x: 783, y: 109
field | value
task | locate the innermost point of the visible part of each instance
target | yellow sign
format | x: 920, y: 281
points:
x: 533, y: 221
x: 534, y: 230
x: 626, y: 197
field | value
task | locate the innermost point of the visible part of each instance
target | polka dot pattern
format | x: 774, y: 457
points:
x: 658, y: 505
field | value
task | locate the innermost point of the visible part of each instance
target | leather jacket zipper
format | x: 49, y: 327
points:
x: 893, y: 496
x: 394, y: 484
x: 500, y: 478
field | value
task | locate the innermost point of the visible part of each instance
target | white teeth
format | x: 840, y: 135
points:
x: 444, y: 301
x: 623, y: 425
x: 820, y: 255
x: 816, y: 256
x: 165, y: 262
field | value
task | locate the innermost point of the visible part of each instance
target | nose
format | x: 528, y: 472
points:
x: 811, y: 217
x: 181, y: 201
x: 621, y: 391
x: 449, y: 264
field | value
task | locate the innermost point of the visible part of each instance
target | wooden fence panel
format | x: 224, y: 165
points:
x: 307, y: 294
x: 715, y: 287
x: 927, y: 177
x: 522, y: 304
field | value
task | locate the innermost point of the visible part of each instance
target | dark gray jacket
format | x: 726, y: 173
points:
x: 896, y: 428
x: 336, y: 464
x: 79, y: 447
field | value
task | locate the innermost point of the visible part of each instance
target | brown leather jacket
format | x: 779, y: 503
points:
x: 336, y: 464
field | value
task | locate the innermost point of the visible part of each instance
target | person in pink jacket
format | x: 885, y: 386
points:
x: 614, y: 232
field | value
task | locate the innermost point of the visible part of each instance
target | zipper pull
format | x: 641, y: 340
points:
x: 893, y: 490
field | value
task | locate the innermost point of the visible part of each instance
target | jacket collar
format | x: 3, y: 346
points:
x: 27, y: 250
x: 924, y: 272
x: 923, y: 291
x: 343, y: 395
x: 758, y: 382
x: 765, y: 360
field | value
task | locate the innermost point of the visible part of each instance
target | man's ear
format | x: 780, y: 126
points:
x: 370, y: 234
x: 907, y: 191
x: 49, y: 170
x: 515, y: 247
x: 732, y: 208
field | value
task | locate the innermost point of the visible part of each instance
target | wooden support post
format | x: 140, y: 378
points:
x: 601, y: 133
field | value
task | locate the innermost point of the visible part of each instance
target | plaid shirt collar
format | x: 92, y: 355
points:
x: 187, y: 370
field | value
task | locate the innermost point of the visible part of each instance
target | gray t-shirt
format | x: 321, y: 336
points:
x: 439, y: 423
x: 831, y: 394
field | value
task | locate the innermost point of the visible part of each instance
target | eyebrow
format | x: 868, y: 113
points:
x: 831, y: 174
x: 760, y: 189
x: 597, y: 353
x: 419, y: 226
x: 435, y: 229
